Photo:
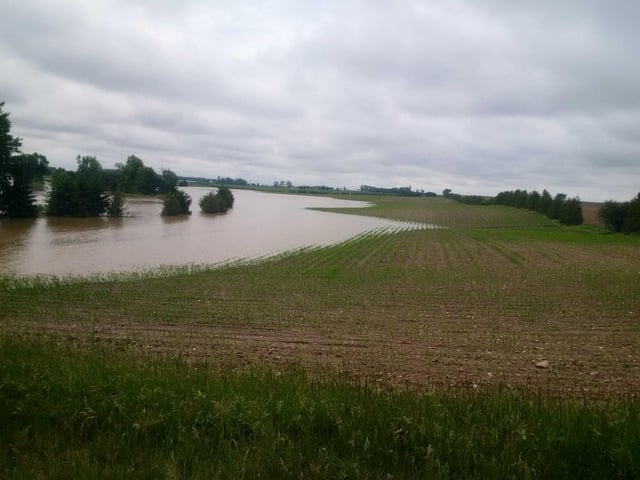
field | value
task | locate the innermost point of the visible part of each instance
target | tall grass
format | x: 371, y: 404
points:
x: 70, y: 413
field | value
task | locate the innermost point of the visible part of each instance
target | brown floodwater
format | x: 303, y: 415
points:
x: 260, y: 224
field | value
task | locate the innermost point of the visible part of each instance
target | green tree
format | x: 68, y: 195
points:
x: 9, y: 145
x: 17, y: 173
x: 632, y: 220
x: 556, y: 205
x: 533, y: 201
x: 115, y: 205
x: 176, y: 203
x: 92, y: 201
x: 80, y: 193
x: 135, y: 177
x: 226, y: 195
x: 18, y: 200
x: 219, y: 202
x: 169, y: 181
x: 545, y: 203
x: 571, y: 212
x: 62, y: 201
x: 613, y: 214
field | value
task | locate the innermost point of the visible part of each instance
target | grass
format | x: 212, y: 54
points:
x: 69, y: 413
x: 407, y: 353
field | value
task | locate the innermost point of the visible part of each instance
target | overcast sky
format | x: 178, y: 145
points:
x: 477, y: 96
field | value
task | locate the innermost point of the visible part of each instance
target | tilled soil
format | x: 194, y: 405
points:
x: 586, y: 363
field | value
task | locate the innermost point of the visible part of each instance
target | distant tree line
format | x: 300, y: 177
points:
x: 567, y: 211
x: 400, y: 191
x: 237, y: 182
x: 134, y: 177
x: 621, y: 216
x: 468, y: 199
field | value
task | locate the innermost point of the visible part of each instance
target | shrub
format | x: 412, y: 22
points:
x: 115, y: 205
x: 176, y: 203
x: 613, y: 215
x: 219, y: 202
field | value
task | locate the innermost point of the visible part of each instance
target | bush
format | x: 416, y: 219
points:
x: 632, y: 220
x: 115, y: 205
x: 79, y: 193
x: 176, y: 203
x: 613, y: 215
x: 219, y: 202
x: 621, y: 217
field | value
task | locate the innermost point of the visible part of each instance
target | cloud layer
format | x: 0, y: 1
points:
x: 474, y: 96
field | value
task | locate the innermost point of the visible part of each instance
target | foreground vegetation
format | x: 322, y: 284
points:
x: 68, y: 413
x: 408, y: 352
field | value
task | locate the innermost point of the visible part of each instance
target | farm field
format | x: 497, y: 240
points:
x: 454, y: 306
x: 480, y: 349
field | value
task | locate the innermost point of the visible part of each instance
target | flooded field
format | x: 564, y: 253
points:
x: 259, y: 224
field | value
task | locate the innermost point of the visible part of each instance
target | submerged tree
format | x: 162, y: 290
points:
x: 115, y: 205
x: 218, y: 202
x: 176, y: 203
x: 82, y: 193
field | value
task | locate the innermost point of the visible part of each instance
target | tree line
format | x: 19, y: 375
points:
x: 621, y: 216
x: 90, y: 190
x: 567, y: 211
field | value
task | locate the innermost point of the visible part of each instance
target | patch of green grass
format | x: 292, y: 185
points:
x: 446, y: 212
x: 67, y: 413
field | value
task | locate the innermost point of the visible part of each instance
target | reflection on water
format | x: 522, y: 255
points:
x: 259, y: 224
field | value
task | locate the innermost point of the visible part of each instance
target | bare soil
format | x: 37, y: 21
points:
x: 454, y: 351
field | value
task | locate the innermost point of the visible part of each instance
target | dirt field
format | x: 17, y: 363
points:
x: 590, y: 213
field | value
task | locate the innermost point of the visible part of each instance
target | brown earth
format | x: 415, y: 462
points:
x: 590, y: 213
x: 457, y: 349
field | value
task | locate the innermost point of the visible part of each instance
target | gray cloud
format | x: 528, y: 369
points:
x: 475, y: 96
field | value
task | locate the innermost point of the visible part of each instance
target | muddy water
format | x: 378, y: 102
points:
x: 259, y: 224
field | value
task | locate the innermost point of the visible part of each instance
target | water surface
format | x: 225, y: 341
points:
x: 259, y: 224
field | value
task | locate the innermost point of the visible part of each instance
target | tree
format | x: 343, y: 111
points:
x: 545, y: 203
x: 9, y: 145
x: 80, y: 193
x: 613, y: 214
x: 92, y: 201
x: 169, y: 181
x: 632, y: 220
x: 226, y: 195
x: 62, y: 200
x: 176, y: 203
x: 17, y: 173
x: 212, y: 203
x: 571, y: 212
x: 17, y: 197
x: 219, y: 202
x: 533, y: 201
x: 115, y: 205
x: 135, y: 177
x: 556, y: 205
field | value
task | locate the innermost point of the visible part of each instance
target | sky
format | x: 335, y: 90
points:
x: 478, y: 96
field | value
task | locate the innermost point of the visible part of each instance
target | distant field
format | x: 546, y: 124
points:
x: 472, y: 305
x: 590, y: 213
